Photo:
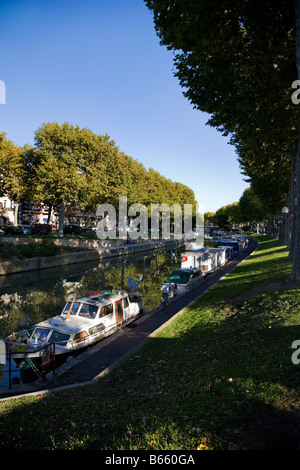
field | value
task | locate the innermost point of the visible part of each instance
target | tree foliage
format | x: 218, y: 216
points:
x: 236, y: 61
x: 252, y: 208
x: 72, y: 166
x: 227, y: 216
x: 12, y: 169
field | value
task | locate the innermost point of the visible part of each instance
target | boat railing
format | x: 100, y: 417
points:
x: 19, y: 335
x: 48, y: 361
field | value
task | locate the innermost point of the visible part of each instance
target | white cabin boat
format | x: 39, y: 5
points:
x: 203, y: 258
x: 196, y: 263
x: 84, y: 321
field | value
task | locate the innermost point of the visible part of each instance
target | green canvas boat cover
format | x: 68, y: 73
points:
x: 180, y: 276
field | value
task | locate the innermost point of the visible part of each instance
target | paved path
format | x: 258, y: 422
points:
x: 99, y: 359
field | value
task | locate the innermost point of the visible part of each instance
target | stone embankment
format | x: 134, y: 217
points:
x: 92, y: 250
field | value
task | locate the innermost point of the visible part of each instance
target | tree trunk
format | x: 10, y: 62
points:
x: 61, y: 220
x: 16, y: 213
x: 292, y: 206
x: 49, y: 213
x: 295, y: 273
x: 297, y: 12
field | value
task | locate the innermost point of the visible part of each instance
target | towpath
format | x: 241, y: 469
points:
x: 99, y: 360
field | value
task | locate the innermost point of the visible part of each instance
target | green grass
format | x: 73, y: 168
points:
x: 220, y: 376
x: 12, y: 251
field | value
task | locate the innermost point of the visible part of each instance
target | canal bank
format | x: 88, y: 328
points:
x: 93, y: 250
x: 99, y: 360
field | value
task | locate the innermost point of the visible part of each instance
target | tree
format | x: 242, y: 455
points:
x: 227, y: 216
x: 209, y: 218
x: 73, y: 166
x: 60, y: 155
x: 236, y: 61
x: 295, y: 274
x: 268, y: 175
x: 12, y: 172
x: 252, y: 209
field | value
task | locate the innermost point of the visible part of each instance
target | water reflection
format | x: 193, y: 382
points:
x: 28, y: 298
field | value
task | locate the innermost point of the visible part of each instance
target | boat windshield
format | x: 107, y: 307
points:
x: 58, y: 337
x: 82, y: 309
x: 88, y: 311
x: 74, y: 310
x: 179, y: 277
x: 40, y: 334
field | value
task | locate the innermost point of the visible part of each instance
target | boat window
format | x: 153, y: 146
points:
x: 74, y: 308
x: 125, y: 302
x: 119, y: 309
x: 88, y: 311
x: 106, y: 310
x: 41, y: 334
x: 95, y: 329
x: 80, y: 336
x: 58, y: 337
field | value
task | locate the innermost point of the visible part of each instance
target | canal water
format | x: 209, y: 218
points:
x: 28, y: 298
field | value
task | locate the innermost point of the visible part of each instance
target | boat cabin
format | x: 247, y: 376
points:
x: 183, y: 276
x: 84, y: 319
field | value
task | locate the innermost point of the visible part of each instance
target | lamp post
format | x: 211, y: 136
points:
x: 285, y: 212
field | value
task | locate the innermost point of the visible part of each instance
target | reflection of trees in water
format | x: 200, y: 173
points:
x: 147, y: 274
x: 22, y: 310
x: 155, y: 274
x: 22, y: 307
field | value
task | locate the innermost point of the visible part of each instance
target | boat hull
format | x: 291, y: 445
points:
x: 172, y: 290
x: 48, y: 357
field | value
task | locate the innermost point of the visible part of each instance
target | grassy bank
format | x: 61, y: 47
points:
x: 219, y: 377
x: 13, y: 251
x: 32, y: 249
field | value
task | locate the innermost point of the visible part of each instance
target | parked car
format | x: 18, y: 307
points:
x: 51, y: 228
x: 6, y: 229
x: 11, y: 229
x: 72, y: 229
x: 41, y: 229
x: 2, y: 232
x: 89, y: 229
x: 25, y: 229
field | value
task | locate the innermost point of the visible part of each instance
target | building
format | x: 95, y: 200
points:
x: 8, y: 211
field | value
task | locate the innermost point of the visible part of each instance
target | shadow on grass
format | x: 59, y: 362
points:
x: 223, y: 378
x: 220, y: 375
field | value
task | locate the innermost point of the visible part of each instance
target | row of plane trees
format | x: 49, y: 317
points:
x: 69, y: 166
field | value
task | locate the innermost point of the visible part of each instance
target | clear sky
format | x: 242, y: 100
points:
x: 98, y: 64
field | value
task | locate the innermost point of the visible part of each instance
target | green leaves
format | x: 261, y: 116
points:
x: 235, y: 60
x: 12, y: 168
x: 73, y: 166
x: 61, y: 156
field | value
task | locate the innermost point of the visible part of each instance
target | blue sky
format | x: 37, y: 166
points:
x: 99, y: 64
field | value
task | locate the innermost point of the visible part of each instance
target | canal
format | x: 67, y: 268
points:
x: 28, y: 298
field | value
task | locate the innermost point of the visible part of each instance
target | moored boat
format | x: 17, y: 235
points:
x: 206, y: 259
x: 179, y: 282
x: 83, y: 321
